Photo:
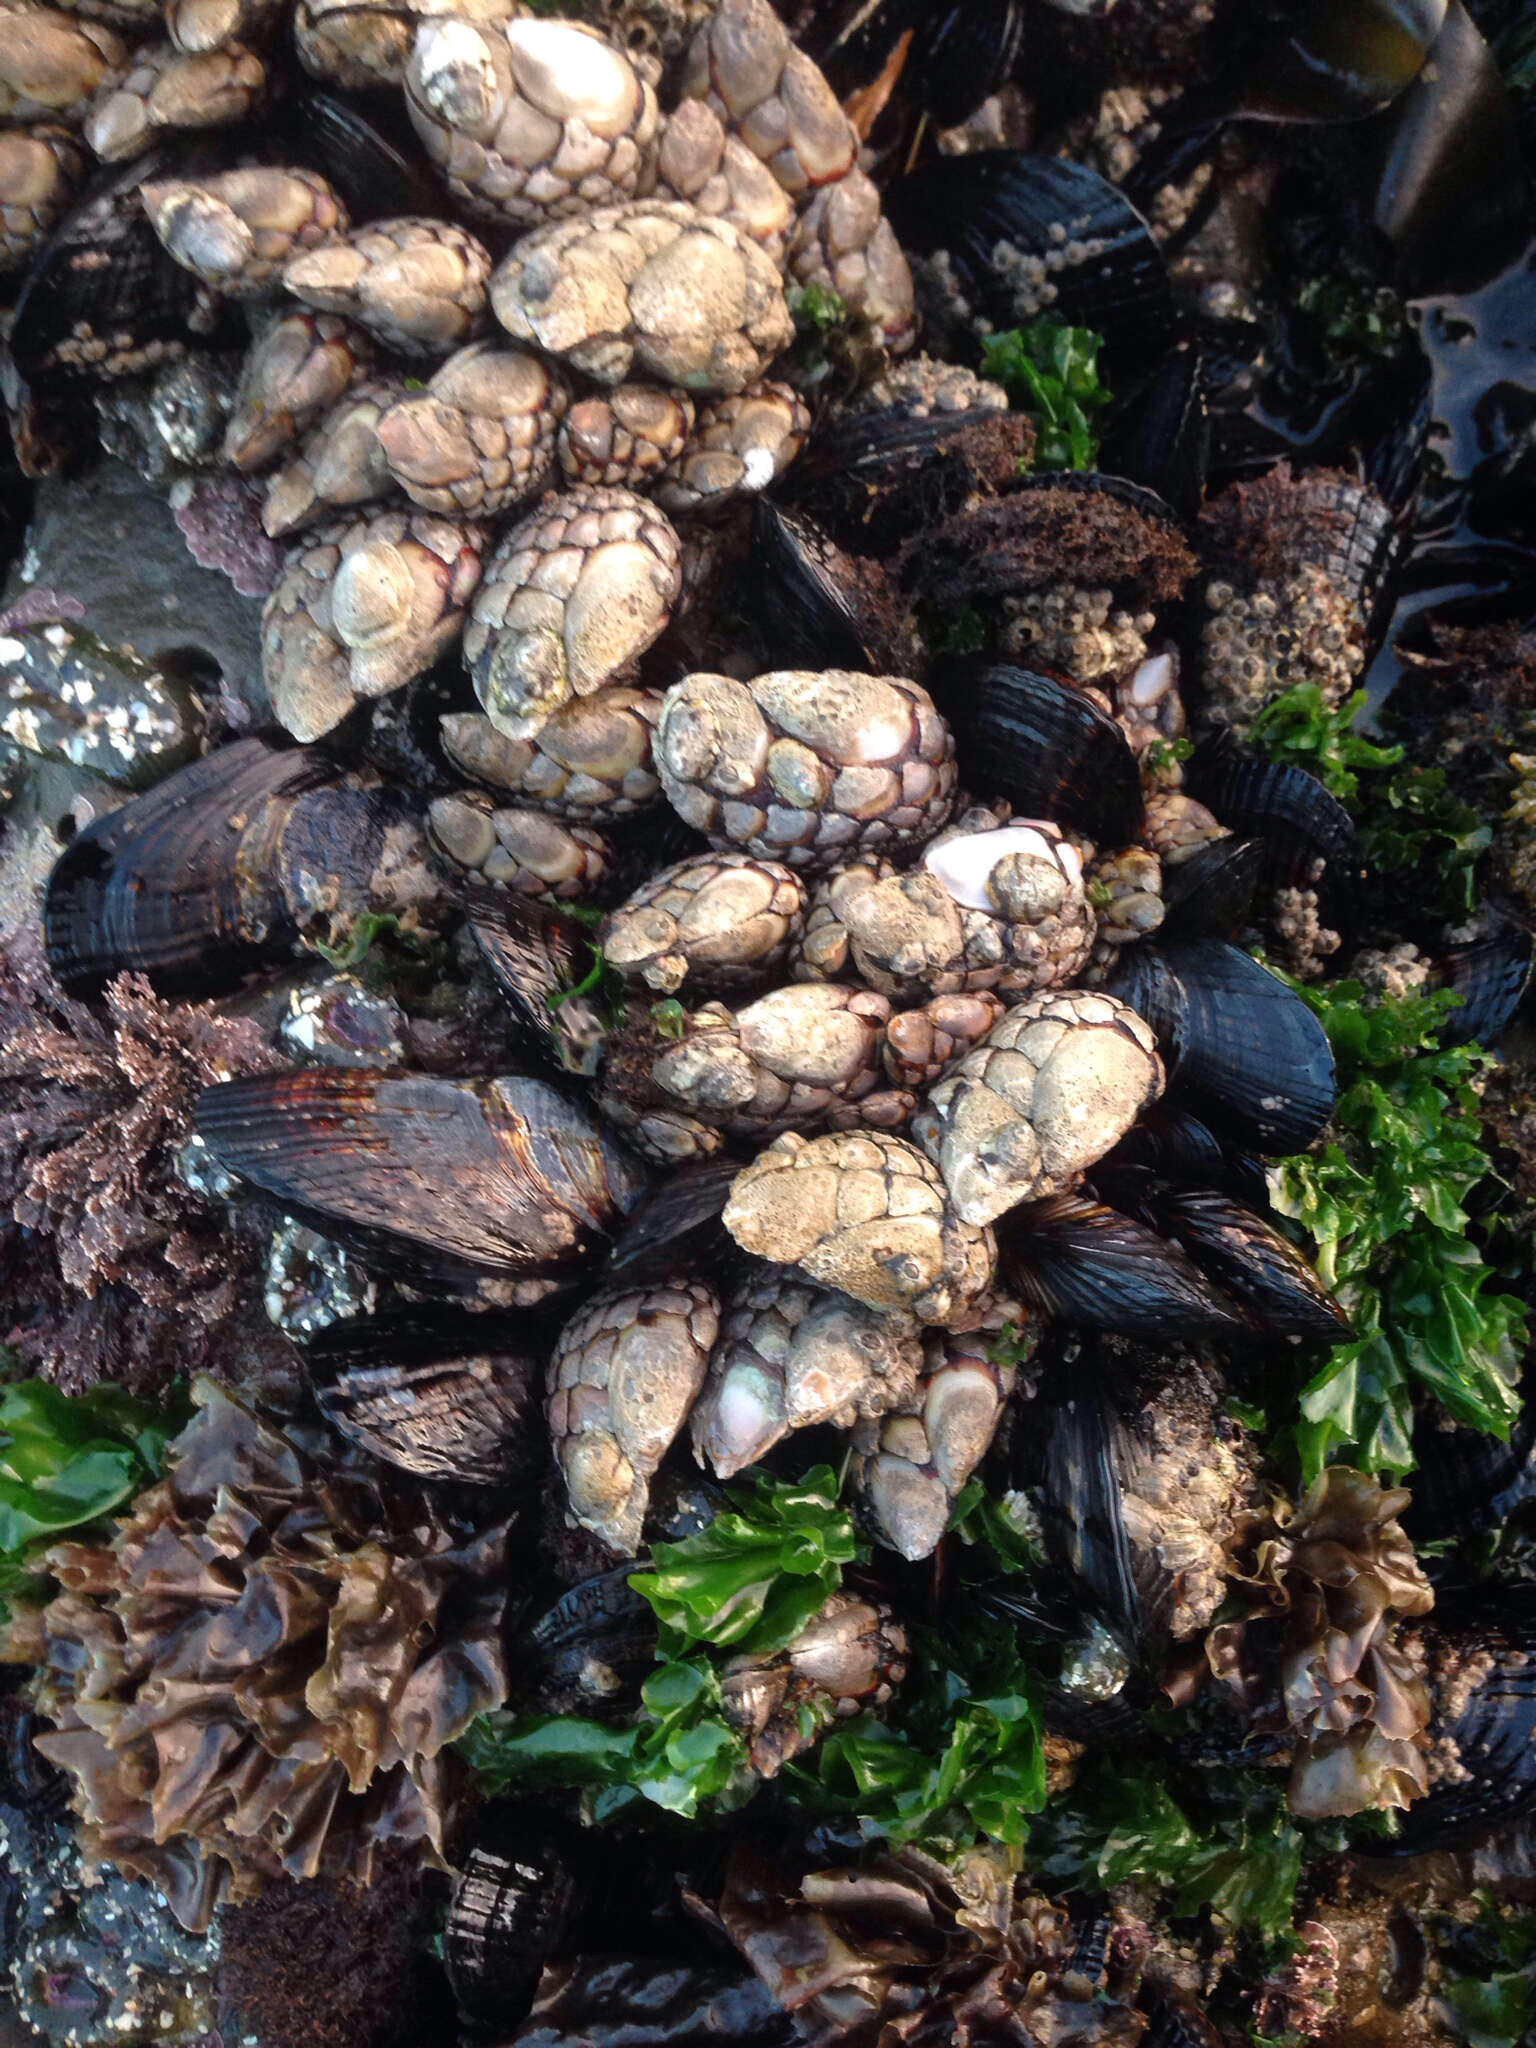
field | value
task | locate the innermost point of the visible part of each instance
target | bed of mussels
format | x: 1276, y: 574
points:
x: 767, y: 1140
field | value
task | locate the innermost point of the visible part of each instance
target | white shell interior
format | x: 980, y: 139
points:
x: 964, y: 864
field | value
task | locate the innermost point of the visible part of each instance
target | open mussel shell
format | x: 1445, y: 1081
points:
x: 1241, y: 1047
x: 677, y: 1227
x: 176, y: 885
x: 1090, y: 1265
x: 456, y: 1178
x: 1031, y: 234
x: 1299, y: 820
x: 545, y: 964
x: 1042, y: 745
x: 445, y: 1398
x: 588, y: 1651
x: 1249, y: 1258
x: 1486, y: 1720
x: 1491, y: 977
x: 1335, y: 60
x: 516, y: 1900
x: 1210, y: 895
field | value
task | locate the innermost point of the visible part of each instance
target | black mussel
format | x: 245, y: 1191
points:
x: 516, y: 1900
x: 1044, y: 746
x: 506, y: 1176
x: 1172, y: 1143
x: 546, y: 966
x: 1466, y: 1481
x: 1334, y: 60
x: 1173, y: 2022
x: 678, y: 1225
x: 589, y: 1651
x: 1241, y: 1047
x: 1092, y: 1266
x: 1026, y: 235
x: 1248, y: 1257
x: 1300, y: 821
x: 603, y: 2002
x: 1162, y: 437
x: 1210, y: 894
x: 181, y: 884
x: 218, y: 869
x: 1453, y: 193
x: 963, y: 51
x: 1491, y: 976
x: 102, y: 299
x: 815, y: 607
x: 378, y: 179
x: 1081, y: 1503
x: 878, y: 477
x: 1482, y: 1679
x: 439, y: 1397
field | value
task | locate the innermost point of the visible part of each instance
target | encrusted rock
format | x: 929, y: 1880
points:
x: 790, y: 1355
x: 526, y: 851
x: 41, y: 169
x: 419, y: 285
x: 67, y: 696
x: 742, y: 443
x: 480, y: 438
x: 590, y: 759
x: 716, y: 921
x: 624, y: 437
x: 865, y: 1212
x: 622, y: 1378
x: 530, y: 120
x: 237, y: 230
x: 572, y: 596
x: 1058, y: 1083
x: 1081, y: 633
x: 337, y: 1022
x: 806, y: 766
x: 162, y: 89
x: 650, y: 284
x: 294, y: 371
x: 338, y: 464
x: 362, y: 606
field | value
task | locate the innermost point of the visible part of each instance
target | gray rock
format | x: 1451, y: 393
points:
x: 109, y: 540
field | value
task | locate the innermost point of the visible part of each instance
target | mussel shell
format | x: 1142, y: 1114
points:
x: 455, y: 1178
x: 539, y: 957
x: 1175, y: 2023
x: 619, y: 2002
x: 1092, y: 1266
x: 435, y: 1397
x: 678, y: 1226
x: 1492, y: 1736
x: 1300, y: 821
x: 874, y: 479
x: 1211, y: 894
x: 102, y: 277
x: 963, y: 52
x: 1169, y: 1141
x: 1105, y: 266
x: 1162, y: 437
x: 591, y: 1650
x: 1466, y: 1481
x: 1042, y: 745
x: 1336, y: 60
x: 179, y: 884
x: 516, y: 1900
x: 804, y: 609
x: 1241, y: 1047
x: 1491, y: 977
x: 377, y: 179
x: 1259, y: 1268
x: 1081, y: 1497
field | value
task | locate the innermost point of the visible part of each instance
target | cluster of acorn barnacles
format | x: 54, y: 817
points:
x: 405, y: 392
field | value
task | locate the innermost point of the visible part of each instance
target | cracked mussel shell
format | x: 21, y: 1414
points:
x: 439, y: 1397
x: 456, y: 1179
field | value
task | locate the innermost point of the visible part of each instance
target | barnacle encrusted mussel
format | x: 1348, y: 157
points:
x: 906, y: 1031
